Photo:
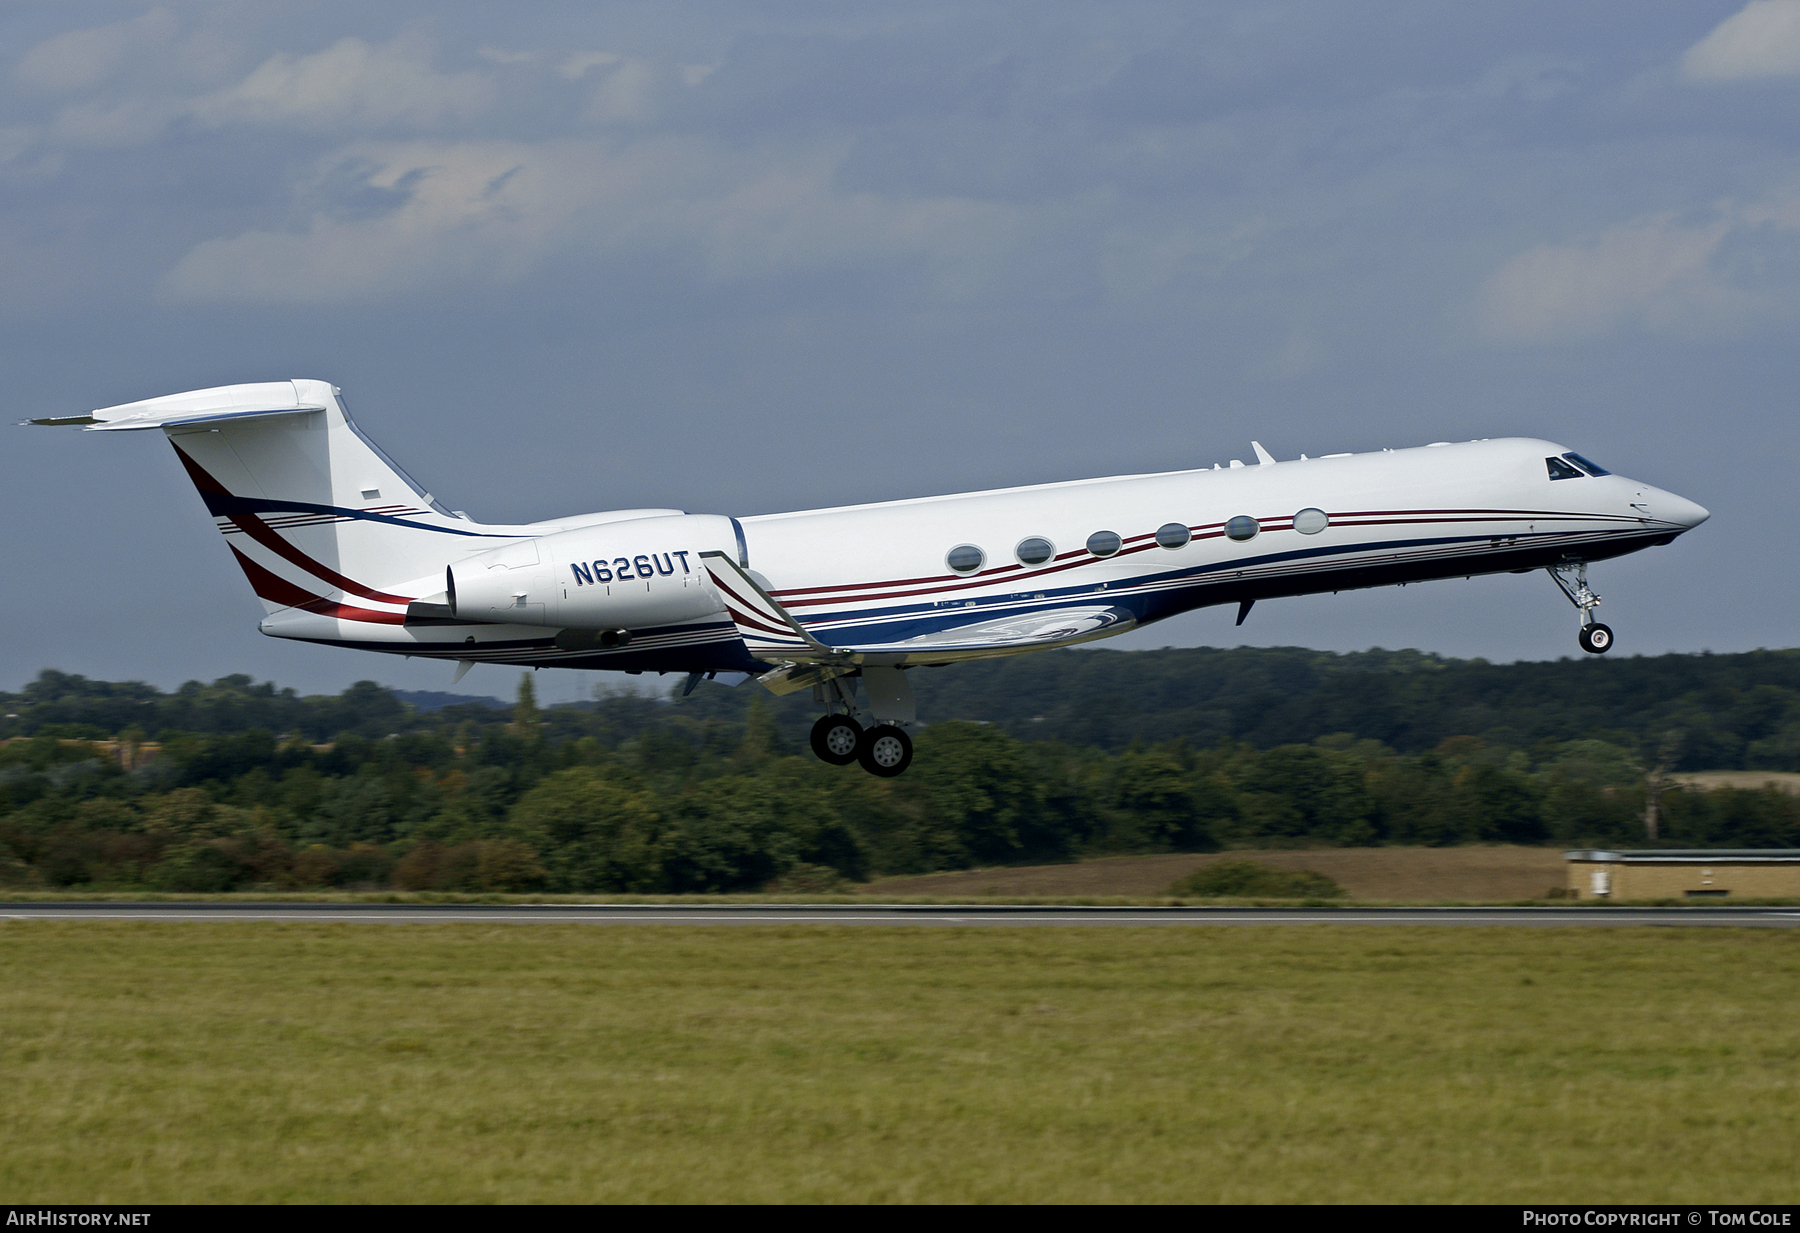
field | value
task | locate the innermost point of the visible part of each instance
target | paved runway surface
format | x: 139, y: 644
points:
x: 887, y: 914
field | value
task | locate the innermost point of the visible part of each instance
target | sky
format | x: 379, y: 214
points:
x: 752, y: 257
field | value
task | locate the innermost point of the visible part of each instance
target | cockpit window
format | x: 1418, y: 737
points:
x: 1560, y: 469
x: 1592, y: 468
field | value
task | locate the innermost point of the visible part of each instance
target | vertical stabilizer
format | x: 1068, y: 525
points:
x: 316, y: 514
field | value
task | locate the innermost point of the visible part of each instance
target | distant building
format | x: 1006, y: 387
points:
x: 1684, y: 873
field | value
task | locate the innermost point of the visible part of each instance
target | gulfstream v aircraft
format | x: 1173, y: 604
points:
x: 344, y: 549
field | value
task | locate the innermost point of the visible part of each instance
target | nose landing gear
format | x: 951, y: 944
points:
x: 1571, y: 577
x: 1595, y: 639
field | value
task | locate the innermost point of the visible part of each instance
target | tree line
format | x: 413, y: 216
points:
x: 251, y: 786
x: 1733, y: 711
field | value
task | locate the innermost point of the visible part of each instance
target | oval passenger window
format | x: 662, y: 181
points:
x: 1311, y: 521
x: 1242, y: 527
x: 1035, y: 551
x: 965, y: 558
x: 1103, y: 543
x: 1173, y: 534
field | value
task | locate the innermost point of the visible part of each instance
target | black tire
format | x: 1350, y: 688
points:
x: 885, y: 751
x: 1596, y: 639
x: 836, y: 739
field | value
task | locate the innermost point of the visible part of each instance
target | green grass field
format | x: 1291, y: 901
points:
x: 570, y: 1063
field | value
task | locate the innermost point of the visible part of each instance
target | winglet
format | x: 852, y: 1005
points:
x: 765, y: 626
x: 1263, y: 457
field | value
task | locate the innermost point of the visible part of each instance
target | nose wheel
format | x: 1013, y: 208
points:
x: 1571, y: 577
x: 1595, y: 639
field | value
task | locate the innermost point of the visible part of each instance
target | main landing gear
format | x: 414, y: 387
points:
x: 1571, y: 576
x: 837, y: 737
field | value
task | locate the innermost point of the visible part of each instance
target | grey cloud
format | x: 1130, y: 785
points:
x: 496, y: 211
x: 1732, y: 269
x: 83, y: 59
x: 567, y: 257
x: 1761, y: 40
x: 350, y: 85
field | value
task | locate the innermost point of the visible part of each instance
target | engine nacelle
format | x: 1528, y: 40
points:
x: 617, y: 575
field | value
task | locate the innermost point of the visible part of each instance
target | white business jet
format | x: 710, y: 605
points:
x: 344, y: 549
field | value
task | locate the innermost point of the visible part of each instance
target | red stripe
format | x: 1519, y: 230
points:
x: 263, y: 534
x: 900, y: 582
x: 260, y: 531
x: 741, y: 620
x: 723, y: 587
x: 875, y: 592
x: 759, y: 619
x: 278, y: 590
x: 1281, y: 522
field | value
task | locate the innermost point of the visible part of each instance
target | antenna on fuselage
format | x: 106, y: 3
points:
x: 1263, y: 457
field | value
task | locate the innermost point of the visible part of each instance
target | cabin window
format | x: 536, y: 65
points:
x: 1104, y: 543
x: 1173, y: 534
x: 1242, y: 527
x: 1311, y: 521
x: 965, y: 559
x: 1035, y: 551
x: 1560, y: 469
x: 1592, y: 468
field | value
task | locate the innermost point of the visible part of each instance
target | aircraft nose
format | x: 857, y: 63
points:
x: 1667, y: 507
x: 1688, y: 513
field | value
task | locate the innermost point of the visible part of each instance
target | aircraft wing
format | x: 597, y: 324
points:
x: 1032, y: 630
x: 765, y: 626
x: 772, y: 634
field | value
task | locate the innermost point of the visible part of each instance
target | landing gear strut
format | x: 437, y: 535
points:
x: 1571, y: 576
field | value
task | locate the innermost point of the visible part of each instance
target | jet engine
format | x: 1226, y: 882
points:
x: 613, y: 576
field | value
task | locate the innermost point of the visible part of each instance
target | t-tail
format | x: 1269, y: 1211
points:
x: 317, y: 516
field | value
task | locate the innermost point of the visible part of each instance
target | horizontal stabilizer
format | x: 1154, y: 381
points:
x: 225, y: 402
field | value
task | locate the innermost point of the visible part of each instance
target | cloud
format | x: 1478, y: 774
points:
x: 582, y: 61
x: 1664, y: 274
x: 487, y: 213
x: 1760, y: 40
x: 83, y: 59
x: 350, y: 84
x: 624, y: 93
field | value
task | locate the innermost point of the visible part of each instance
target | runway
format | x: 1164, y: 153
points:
x: 982, y: 915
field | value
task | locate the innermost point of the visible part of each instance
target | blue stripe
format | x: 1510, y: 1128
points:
x: 226, y: 505
x: 890, y: 624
